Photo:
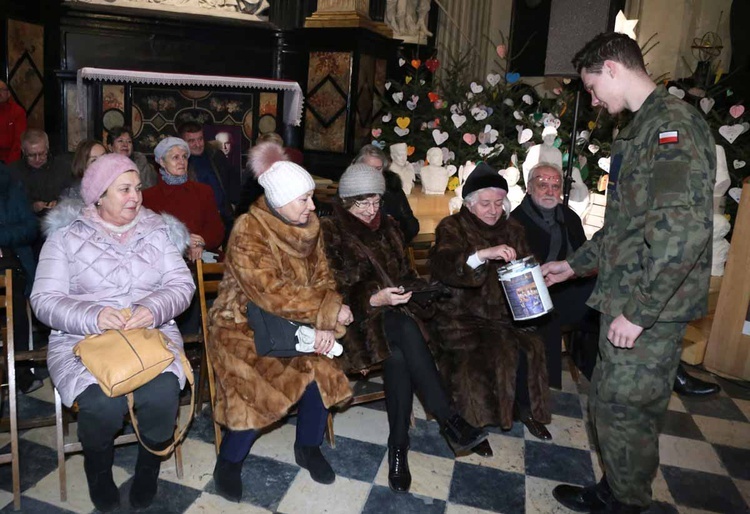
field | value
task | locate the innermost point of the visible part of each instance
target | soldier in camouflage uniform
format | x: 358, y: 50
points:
x: 653, y: 258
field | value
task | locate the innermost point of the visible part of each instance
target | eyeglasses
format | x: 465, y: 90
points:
x: 368, y: 205
x: 38, y: 155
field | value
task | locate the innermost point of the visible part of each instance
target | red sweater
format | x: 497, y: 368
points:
x: 193, y: 204
x: 12, y: 125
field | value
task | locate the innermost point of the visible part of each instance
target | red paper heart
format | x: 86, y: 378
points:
x: 416, y: 63
x: 470, y: 139
x: 433, y: 96
x: 432, y: 65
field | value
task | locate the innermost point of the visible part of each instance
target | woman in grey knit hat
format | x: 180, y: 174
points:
x: 367, y: 254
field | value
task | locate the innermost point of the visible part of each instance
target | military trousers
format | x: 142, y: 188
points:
x: 630, y: 393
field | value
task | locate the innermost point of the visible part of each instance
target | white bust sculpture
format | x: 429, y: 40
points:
x: 408, y: 20
x: 720, y: 245
x: 721, y: 186
x: 401, y: 167
x: 545, y: 152
x: 515, y: 192
x: 579, y: 194
x: 434, y: 176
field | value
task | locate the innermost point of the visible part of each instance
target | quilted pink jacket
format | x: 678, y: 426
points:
x: 82, y: 269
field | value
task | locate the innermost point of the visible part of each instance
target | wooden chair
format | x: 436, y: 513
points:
x: 356, y: 400
x: 419, y: 253
x: 6, y: 301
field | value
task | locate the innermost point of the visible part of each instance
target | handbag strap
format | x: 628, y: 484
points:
x: 179, y: 432
x: 375, y: 264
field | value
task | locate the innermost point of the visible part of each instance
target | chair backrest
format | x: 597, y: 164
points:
x: 419, y: 253
x: 6, y: 302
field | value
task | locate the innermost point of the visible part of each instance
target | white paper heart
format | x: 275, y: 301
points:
x: 508, y: 102
x: 387, y: 117
x: 455, y: 109
x: 458, y: 119
x: 401, y: 132
x: 556, y: 123
x: 738, y: 164
x: 604, y: 163
x: 525, y: 135
x: 479, y: 114
x: 517, y: 115
x: 421, y: 82
x: 735, y: 193
x: 469, y: 95
x: 476, y: 88
x: 527, y: 99
x: 585, y: 135
x: 388, y: 85
x: 582, y: 160
x: 411, y: 105
x: 401, y: 61
x: 483, y: 138
x: 593, y: 148
x: 676, y: 91
x: 731, y: 132
x: 500, y: 147
x: 706, y: 104
x: 493, y: 79
x: 439, y: 137
x: 514, y: 159
x: 519, y: 128
x: 491, y: 134
x: 451, y: 168
x: 397, y: 97
x: 448, y: 155
x: 745, y: 126
x: 484, y: 150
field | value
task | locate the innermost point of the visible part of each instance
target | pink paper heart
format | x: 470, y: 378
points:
x: 470, y: 139
x: 736, y: 111
x: 502, y: 51
x: 376, y: 132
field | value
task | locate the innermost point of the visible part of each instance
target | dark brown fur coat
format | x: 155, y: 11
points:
x: 475, y: 340
x: 283, y: 269
x: 365, y: 342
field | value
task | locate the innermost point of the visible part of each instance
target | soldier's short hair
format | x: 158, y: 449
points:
x: 609, y: 46
x: 34, y: 136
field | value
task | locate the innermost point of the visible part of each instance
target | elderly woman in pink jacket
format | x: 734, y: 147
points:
x: 103, y: 254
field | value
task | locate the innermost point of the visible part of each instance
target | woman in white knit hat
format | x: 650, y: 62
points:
x: 275, y: 260
x: 367, y: 253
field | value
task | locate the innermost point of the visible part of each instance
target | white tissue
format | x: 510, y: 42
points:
x: 306, y: 337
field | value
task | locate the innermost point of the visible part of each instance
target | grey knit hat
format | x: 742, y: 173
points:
x: 361, y: 179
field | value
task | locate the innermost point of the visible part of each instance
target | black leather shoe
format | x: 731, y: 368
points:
x: 537, y: 429
x: 399, y: 477
x: 312, y: 459
x: 461, y: 435
x: 687, y: 385
x: 483, y: 449
x: 228, y: 479
x: 593, y: 498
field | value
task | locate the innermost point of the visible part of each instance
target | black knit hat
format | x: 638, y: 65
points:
x: 483, y: 176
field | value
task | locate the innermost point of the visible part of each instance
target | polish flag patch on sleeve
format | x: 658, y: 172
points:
x: 669, y: 137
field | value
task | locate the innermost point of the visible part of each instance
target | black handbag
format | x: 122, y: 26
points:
x: 274, y: 336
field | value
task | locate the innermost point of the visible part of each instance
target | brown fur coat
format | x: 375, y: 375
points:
x: 365, y: 342
x: 476, y: 342
x: 283, y: 269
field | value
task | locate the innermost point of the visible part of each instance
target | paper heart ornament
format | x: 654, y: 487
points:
x: 479, y: 114
x: 551, y: 121
x: 517, y: 115
x: 584, y: 135
x: 434, y: 97
x: 397, y: 97
x: 525, y: 135
x: 476, y: 88
x: 410, y: 150
x: 469, y: 95
x: 411, y: 105
x: 731, y: 132
x: 484, y: 150
x: 500, y: 147
x: 401, y: 62
x: 512, y: 78
x: 458, y: 120
x: 432, y: 64
x: 604, y: 163
x: 502, y: 51
x: 388, y: 85
x: 455, y: 109
x: 415, y: 63
x: 483, y: 138
x: 401, y: 131
x: 593, y: 148
x: 738, y: 164
x: 592, y: 125
x: 735, y: 193
x: 438, y: 104
x: 448, y: 155
x: 736, y: 111
x: 493, y: 79
x: 557, y: 91
x: 508, y: 102
x: 527, y: 99
x: 566, y: 81
x: 706, y: 104
x: 582, y: 160
x: 387, y: 117
x: 421, y: 82
x: 403, y: 121
x: 376, y: 132
x: 488, y: 135
x: 469, y: 139
x: 676, y: 91
x: 408, y: 79
x: 451, y: 169
x: 379, y: 144
x: 745, y: 126
x: 439, y: 137
x: 697, y: 92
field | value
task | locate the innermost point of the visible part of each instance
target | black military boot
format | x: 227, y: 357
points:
x: 102, y: 489
x: 399, y: 476
x: 461, y: 435
x: 593, y: 498
x: 312, y: 459
x: 228, y: 479
x: 146, y: 479
x: 483, y: 449
x: 687, y: 385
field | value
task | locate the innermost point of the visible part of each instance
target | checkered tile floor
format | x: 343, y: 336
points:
x: 705, y: 465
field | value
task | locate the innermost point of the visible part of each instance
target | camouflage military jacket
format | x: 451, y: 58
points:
x: 653, y: 254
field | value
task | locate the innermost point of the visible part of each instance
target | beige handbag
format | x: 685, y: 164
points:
x: 124, y: 360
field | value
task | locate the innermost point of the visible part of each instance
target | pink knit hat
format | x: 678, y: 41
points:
x: 102, y: 172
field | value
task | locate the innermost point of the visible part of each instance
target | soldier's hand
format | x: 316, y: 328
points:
x: 557, y: 271
x: 622, y: 333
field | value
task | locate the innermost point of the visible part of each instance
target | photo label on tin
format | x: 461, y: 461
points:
x: 523, y: 296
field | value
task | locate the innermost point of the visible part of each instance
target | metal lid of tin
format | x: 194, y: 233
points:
x: 518, y: 264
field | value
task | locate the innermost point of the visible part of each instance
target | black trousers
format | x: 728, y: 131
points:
x: 100, y: 417
x: 409, y: 367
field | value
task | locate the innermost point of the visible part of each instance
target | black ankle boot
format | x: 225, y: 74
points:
x: 102, y: 489
x: 312, y: 459
x: 399, y: 477
x: 483, y: 449
x: 687, y: 385
x: 461, y: 435
x: 593, y: 498
x: 228, y: 479
x: 146, y: 480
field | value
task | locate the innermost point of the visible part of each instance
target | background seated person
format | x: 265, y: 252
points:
x: 385, y: 332
x: 120, y: 140
x: 489, y: 362
x: 553, y: 231
x: 395, y: 203
x: 86, y: 153
x: 275, y: 259
x: 102, y: 255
